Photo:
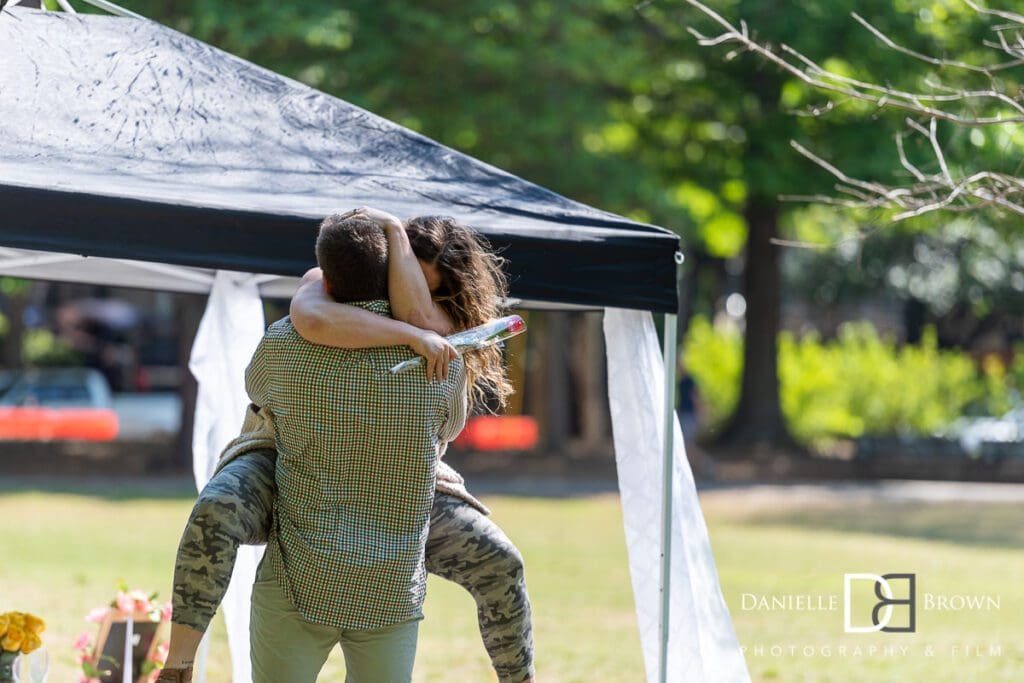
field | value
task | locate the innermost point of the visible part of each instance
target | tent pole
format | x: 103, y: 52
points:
x: 667, y: 476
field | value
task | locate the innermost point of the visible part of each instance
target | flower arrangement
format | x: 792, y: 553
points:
x: 142, y: 609
x: 20, y: 634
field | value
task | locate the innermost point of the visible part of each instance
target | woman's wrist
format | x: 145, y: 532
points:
x: 409, y: 334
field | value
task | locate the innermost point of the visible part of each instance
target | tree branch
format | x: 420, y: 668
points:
x: 816, y: 76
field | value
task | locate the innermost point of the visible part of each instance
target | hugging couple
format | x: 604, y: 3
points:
x: 338, y: 467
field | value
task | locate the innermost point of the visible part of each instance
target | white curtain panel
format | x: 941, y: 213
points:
x: 229, y: 332
x: 703, y: 647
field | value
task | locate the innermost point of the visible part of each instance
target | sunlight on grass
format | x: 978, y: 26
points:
x: 66, y: 552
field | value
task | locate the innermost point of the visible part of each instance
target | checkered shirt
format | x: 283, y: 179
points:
x: 357, y: 455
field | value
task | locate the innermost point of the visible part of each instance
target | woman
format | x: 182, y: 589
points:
x: 441, y: 279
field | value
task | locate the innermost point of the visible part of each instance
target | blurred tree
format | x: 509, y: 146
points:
x: 959, y: 82
x: 965, y: 276
x: 719, y: 133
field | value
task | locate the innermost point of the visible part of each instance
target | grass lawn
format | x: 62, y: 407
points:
x: 63, y: 550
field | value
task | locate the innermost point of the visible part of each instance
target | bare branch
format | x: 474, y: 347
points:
x: 925, y: 192
x: 816, y: 76
x: 935, y: 61
x: 905, y: 162
x: 980, y: 190
x: 1012, y: 17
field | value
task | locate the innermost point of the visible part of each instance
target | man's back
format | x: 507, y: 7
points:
x: 357, y: 452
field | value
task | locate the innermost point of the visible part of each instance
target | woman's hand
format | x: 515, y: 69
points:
x: 381, y: 218
x: 436, y: 351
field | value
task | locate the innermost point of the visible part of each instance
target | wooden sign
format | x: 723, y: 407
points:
x: 111, y: 646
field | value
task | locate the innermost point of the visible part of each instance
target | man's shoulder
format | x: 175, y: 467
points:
x: 283, y: 335
x: 290, y: 350
x: 280, y: 329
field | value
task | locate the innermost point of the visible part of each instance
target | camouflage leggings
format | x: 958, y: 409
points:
x: 463, y: 546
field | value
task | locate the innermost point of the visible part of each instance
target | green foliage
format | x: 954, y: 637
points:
x: 863, y: 384
x: 966, y: 267
x: 857, y: 384
x: 13, y: 286
x: 41, y: 348
x: 714, y: 358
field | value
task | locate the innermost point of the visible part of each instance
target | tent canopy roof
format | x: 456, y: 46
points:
x: 124, y: 139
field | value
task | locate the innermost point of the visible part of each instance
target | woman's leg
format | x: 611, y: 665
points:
x: 466, y: 547
x: 234, y: 508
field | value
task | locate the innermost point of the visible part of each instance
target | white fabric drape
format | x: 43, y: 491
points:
x: 229, y: 332
x: 703, y: 647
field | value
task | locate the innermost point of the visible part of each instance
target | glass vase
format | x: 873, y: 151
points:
x: 18, y: 668
x: 7, y: 663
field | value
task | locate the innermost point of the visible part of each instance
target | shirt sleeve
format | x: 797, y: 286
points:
x: 457, y: 410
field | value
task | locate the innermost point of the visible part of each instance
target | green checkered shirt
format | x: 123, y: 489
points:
x: 357, y: 453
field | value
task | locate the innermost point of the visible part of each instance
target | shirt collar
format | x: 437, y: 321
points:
x: 379, y: 306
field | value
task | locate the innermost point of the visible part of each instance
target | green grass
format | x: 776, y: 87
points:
x: 63, y: 550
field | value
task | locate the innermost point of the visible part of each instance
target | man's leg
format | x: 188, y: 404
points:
x: 234, y: 508
x: 285, y: 647
x: 383, y: 655
x: 466, y: 547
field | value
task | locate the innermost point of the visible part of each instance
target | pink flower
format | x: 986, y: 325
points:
x: 82, y: 641
x: 124, y: 603
x: 140, y: 601
x: 97, y: 615
x: 165, y: 612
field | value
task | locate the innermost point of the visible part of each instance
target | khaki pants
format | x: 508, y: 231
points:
x: 288, y: 649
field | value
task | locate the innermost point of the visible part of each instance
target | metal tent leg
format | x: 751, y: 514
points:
x: 667, y: 469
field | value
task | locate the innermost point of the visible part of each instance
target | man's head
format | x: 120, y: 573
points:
x: 353, y: 254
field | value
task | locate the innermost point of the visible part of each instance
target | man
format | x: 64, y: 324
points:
x: 357, y: 455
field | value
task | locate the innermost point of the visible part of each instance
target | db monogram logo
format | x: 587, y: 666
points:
x: 893, y: 591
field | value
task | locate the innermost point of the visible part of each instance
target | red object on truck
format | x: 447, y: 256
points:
x: 499, y: 433
x: 58, y: 424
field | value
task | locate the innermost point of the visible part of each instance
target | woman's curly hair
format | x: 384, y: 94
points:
x: 472, y: 292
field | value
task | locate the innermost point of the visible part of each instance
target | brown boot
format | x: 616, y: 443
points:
x: 175, y: 676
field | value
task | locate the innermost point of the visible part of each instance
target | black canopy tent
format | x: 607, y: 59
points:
x: 134, y: 155
x: 125, y: 139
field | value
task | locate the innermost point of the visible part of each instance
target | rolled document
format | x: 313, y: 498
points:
x: 474, y: 338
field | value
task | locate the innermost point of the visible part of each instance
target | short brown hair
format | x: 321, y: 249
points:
x: 353, y: 254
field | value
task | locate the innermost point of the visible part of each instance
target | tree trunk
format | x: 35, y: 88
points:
x: 555, y: 427
x: 587, y: 363
x: 757, y: 421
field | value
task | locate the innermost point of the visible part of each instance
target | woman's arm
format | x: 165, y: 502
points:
x: 407, y: 287
x: 322, y: 320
